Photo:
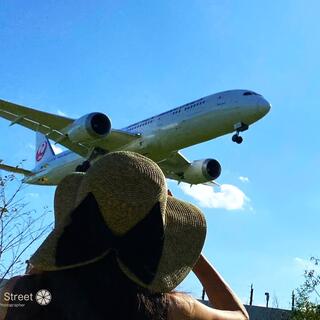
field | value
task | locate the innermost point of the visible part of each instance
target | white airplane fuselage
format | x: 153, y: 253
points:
x: 189, y: 124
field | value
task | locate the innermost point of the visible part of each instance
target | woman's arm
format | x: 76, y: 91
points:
x: 227, y: 306
x: 219, y: 293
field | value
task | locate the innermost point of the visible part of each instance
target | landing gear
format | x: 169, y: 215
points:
x: 83, y: 167
x: 239, y: 127
x: 236, y: 138
x: 95, y: 153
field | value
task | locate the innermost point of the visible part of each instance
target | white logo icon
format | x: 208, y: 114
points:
x: 43, y: 297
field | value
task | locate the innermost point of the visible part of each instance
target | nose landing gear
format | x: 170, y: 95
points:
x: 236, y: 138
x: 239, y: 127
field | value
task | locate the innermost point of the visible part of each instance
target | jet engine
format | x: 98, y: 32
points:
x: 201, y: 171
x: 89, y: 127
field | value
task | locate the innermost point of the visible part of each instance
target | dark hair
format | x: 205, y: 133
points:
x: 95, y: 291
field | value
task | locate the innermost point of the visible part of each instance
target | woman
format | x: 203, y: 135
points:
x: 119, y: 247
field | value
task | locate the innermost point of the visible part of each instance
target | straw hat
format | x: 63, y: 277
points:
x: 121, y: 205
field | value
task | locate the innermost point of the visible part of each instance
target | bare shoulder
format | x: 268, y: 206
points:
x: 184, y: 307
x: 180, y: 306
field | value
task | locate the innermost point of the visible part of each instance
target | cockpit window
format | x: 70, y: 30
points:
x: 250, y: 93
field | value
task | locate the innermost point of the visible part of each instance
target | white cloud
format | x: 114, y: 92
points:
x: 61, y: 113
x: 229, y: 197
x: 244, y: 179
x: 56, y: 149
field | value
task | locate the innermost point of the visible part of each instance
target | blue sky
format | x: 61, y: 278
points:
x: 134, y: 59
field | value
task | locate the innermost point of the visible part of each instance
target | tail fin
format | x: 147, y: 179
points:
x: 44, y: 151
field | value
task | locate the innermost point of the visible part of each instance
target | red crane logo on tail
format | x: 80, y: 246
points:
x: 41, y: 151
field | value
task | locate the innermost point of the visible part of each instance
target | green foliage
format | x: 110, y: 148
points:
x: 307, y: 306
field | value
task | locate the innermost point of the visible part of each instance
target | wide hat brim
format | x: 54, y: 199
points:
x: 182, y: 239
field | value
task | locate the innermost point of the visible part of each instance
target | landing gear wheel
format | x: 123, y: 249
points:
x: 239, y: 140
x: 236, y: 138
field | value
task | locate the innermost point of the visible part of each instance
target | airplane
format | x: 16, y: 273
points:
x: 159, y: 137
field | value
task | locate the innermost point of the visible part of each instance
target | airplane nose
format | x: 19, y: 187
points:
x: 263, y: 106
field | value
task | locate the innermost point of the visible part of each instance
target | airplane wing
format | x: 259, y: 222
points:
x: 52, y: 126
x: 174, y: 165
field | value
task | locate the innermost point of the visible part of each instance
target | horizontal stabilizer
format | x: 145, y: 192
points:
x: 15, y: 169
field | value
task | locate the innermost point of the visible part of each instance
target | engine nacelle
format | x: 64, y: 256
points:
x: 201, y: 171
x: 89, y: 127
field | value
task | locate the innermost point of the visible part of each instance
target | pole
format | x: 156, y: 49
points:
x: 267, y: 298
x: 251, y: 295
x: 292, y: 301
